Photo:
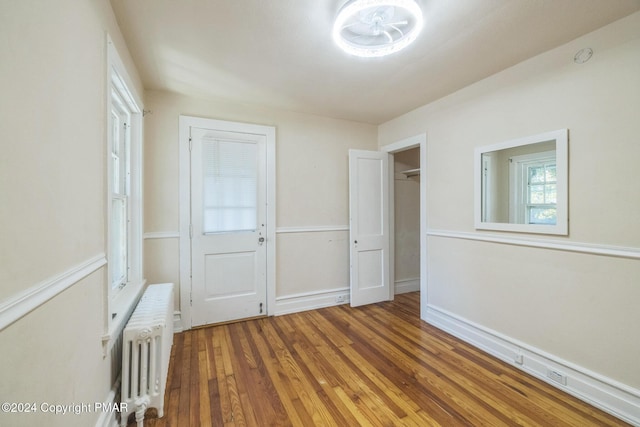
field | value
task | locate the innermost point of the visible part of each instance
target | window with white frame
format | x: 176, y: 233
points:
x: 534, y: 188
x: 124, y: 195
x: 120, y: 190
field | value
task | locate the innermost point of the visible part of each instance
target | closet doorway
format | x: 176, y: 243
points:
x: 406, y: 207
x: 408, y: 219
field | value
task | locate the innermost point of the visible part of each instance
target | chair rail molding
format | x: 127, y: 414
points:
x: 161, y: 235
x: 312, y: 229
x: 559, y: 245
x: 19, y: 305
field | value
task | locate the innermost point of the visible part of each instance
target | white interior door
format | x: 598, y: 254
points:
x: 228, y: 222
x: 369, y: 226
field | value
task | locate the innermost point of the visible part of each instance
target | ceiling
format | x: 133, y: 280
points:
x: 279, y: 53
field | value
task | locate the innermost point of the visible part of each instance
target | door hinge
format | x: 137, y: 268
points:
x: 190, y: 298
x: 260, y: 308
x: 190, y: 144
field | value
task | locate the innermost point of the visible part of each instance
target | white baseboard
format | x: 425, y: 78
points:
x: 605, y: 393
x: 311, y: 300
x: 177, y: 322
x: 407, y: 285
x: 108, y: 418
x: 292, y: 304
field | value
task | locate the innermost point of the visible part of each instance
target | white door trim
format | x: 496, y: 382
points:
x: 185, y: 206
x: 405, y: 144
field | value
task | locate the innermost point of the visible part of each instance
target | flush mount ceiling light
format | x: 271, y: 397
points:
x: 371, y: 28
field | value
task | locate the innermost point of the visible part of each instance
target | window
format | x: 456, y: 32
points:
x: 541, y: 193
x: 120, y: 190
x: 123, y: 196
x: 534, y: 184
x: 230, y: 186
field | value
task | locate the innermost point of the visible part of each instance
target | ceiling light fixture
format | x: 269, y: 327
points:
x: 373, y: 28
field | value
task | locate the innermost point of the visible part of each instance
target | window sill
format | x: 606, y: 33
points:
x: 120, y: 309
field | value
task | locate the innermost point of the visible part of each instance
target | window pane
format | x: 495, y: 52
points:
x: 118, y: 260
x: 551, y: 173
x: 115, y: 173
x: 229, y: 186
x: 115, y: 127
x: 536, y: 194
x: 536, y: 175
x: 119, y: 151
x: 542, y: 215
x: 550, y: 193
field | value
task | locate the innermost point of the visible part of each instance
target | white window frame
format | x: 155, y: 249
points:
x: 120, y: 300
x: 486, y: 184
x: 120, y: 190
x: 518, y: 183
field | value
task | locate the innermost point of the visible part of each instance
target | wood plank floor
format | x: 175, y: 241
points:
x: 377, y: 365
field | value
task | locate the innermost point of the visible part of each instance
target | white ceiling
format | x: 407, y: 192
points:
x: 279, y: 53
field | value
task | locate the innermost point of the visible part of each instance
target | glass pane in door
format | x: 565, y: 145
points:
x: 229, y: 186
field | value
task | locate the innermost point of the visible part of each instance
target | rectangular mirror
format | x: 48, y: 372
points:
x: 521, y: 185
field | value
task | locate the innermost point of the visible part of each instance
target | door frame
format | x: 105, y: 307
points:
x: 402, y: 145
x: 185, y: 206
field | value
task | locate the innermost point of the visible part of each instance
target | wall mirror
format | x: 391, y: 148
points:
x: 521, y: 185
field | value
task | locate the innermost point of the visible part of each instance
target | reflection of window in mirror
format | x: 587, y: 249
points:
x: 532, y: 178
x: 511, y: 184
x: 522, y: 184
x: 486, y: 183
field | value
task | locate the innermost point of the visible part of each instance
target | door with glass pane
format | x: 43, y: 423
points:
x: 228, y: 215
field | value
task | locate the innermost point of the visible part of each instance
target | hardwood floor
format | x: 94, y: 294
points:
x: 377, y: 365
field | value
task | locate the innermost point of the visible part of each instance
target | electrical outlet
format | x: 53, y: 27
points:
x: 557, y: 377
x: 341, y: 299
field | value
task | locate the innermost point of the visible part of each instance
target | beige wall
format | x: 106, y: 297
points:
x: 311, y: 188
x: 406, y: 216
x: 579, y: 307
x: 52, y: 214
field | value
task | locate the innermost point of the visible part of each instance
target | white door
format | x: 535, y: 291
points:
x: 228, y: 220
x: 369, y: 226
